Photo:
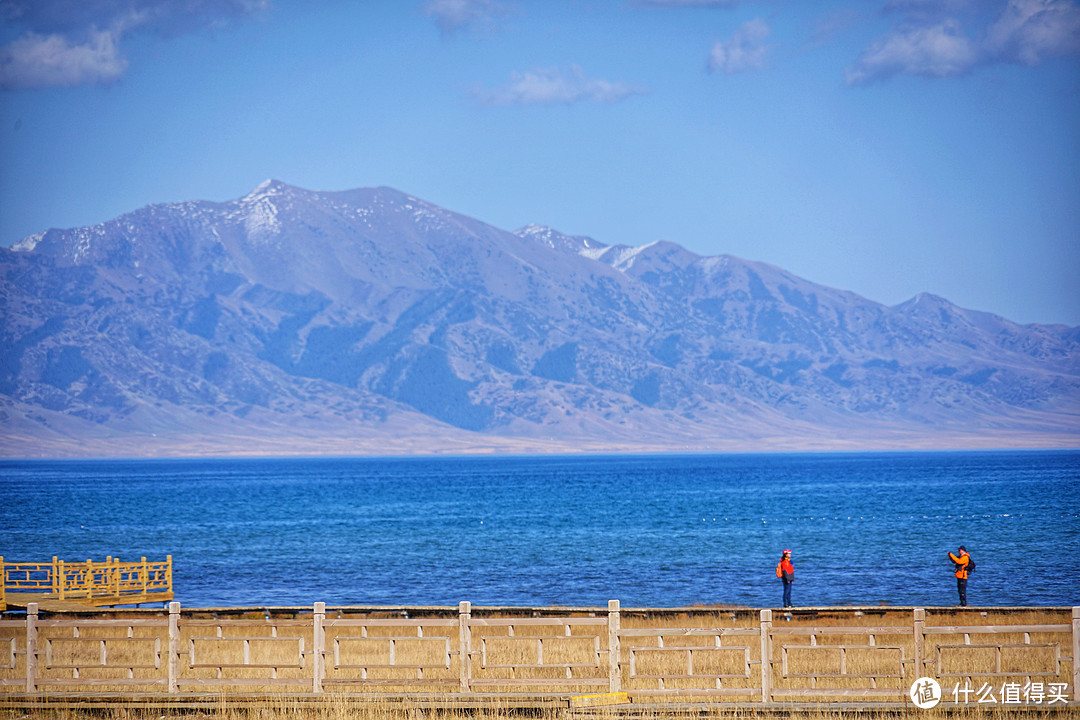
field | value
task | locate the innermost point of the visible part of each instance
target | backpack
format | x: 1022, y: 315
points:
x: 780, y: 569
x: 971, y: 564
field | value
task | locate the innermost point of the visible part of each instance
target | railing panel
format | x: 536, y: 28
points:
x: 842, y: 661
x: 541, y: 652
x: 987, y: 659
x: 384, y: 652
x: 28, y: 577
x: 248, y: 653
x: 692, y: 661
x: 73, y: 653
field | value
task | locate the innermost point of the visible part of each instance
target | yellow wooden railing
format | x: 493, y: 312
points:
x: 87, y: 580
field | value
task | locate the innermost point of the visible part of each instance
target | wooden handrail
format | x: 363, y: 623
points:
x: 88, y: 579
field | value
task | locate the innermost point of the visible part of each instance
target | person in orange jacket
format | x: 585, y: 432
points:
x: 961, y: 560
x: 786, y: 572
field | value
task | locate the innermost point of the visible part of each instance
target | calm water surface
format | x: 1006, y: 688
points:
x: 652, y: 530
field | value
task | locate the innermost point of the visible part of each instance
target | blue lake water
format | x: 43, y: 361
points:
x: 648, y: 530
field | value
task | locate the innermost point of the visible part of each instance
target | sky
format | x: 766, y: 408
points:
x: 887, y: 147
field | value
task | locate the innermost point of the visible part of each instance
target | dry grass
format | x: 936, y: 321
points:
x: 350, y: 709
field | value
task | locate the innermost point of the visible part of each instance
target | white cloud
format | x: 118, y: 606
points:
x: 452, y: 16
x: 550, y: 86
x: 1029, y: 31
x: 1026, y: 32
x: 746, y: 50
x: 51, y: 60
x: 940, y: 50
x: 62, y: 42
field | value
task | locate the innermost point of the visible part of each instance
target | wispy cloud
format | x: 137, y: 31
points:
x: 746, y: 50
x: 552, y: 86
x: 51, y: 60
x: 74, y: 42
x: 453, y: 16
x: 1025, y: 32
x: 937, y: 51
x: 1029, y: 31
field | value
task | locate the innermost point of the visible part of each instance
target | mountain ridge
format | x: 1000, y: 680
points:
x: 297, y: 321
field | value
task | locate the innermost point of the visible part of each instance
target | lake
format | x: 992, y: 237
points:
x: 665, y: 531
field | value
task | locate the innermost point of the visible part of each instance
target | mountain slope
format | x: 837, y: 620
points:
x: 372, y: 321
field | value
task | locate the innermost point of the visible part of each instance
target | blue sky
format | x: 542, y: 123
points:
x: 888, y: 147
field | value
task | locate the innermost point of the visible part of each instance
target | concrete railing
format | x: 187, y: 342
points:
x: 769, y: 657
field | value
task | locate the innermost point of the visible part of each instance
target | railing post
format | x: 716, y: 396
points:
x: 144, y: 576
x: 59, y: 581
x: 3, y: 585
x: 465, y: 645
x: 31, y: 647
x: 55, y: 585
x: 1076, y: 652
x: 766, y: 656
x: 174, y: 647
x: 614, y: 654
x: 919, y: 627
x: 319, y: 642
x: 168, y: 572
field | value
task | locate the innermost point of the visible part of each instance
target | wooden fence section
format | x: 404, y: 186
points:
x: 770, y: 658
x: 91, y: 583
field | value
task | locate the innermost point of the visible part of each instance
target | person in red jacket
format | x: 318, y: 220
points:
x: 786, y: 572
x: 961, y: 560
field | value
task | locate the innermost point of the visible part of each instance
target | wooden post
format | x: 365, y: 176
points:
x: 168, y: 572
x: 465, y: 645
x: 31, y: 647
x: 3, y: 586
x: 59, y: 583
x: 766, y: 656
x: 174, y: 647
x: 144, y: 576
x: 55, y: 585
x: 319, y: 641
x: 1076, y: 652
x: 614, y: 655
x: 919, y: 626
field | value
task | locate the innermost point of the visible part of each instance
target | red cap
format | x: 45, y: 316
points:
x: 787, y: 552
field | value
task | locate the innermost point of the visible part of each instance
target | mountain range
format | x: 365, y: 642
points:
x: 368, y: 321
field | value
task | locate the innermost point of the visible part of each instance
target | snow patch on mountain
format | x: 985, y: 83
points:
x: 577, y: 244
x: 261, y: 220
x: 27, y: 244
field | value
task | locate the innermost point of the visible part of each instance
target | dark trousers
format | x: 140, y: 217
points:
x: 961, y: 588
x: 787, y: 593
